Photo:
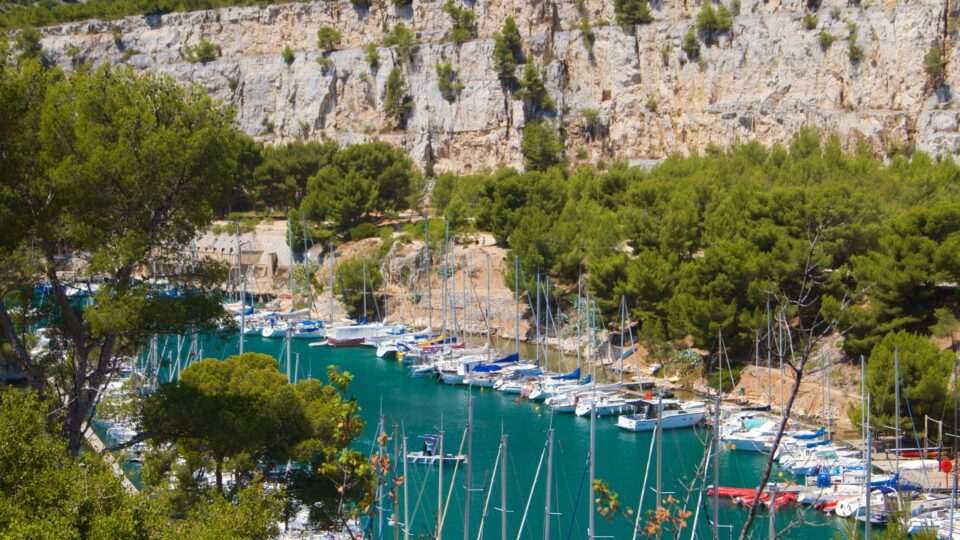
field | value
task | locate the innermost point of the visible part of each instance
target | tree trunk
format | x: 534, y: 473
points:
x: 798, y: 374
x: 219, y: 472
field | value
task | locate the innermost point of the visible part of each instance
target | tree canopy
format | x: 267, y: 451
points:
x: 118, y: 169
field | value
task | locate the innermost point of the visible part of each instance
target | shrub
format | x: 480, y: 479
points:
x: 507, y: 52
x: 810, y: 21
x: 590, y: 114
x: 825, y: 39
x: 327, y: 38
x: 541, y: 145
x: 691, y: 45
x: 632, y: 12
x: 533, y: 91
x: 854, y: 51
x: 326, y: 64
x: 652, y: 104
x: 288, y: 55
x: 711, y: 22
x: 364, y: 230
x: 363, y: 4
x: 117, y: 37
x: 400, y: 38
x: 396, y: 101
x: 402, y: 3
x: 934, y: 64
x: 203, y: 52
x: 447, y: 82
x: 463, y: 19
x: 373, y: 55
x: 586, y: 32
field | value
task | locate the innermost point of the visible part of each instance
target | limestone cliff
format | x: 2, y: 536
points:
x: 763, y: 80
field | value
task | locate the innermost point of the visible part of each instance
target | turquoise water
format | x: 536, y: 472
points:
x: 421, y: 405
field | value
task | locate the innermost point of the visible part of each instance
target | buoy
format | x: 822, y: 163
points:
x: 516, y: 401
x: 537, y: 408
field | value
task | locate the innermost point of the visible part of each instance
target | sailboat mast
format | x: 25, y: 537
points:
x: 426, y: 239
x: 623, y: 314
x: 363, y: 262
x: 396, y: 441
x: 546, y: 322
x: 716, y: 468
x: 487, y: 317
x: 956, y: 409
x: 546, y: 506
x: 503, y: 487
x: 896, y: 388
x: 331, y: 282
x: 406, y: 495
x: 440, y: 487
x: 516, y: 298
x: 468, y: 475
x: 579, y: 315
x: 829, y: 426
x: 866, y: 475
x: 659, y: 437
x: 591, y: 523
x: 769, y: 358
x: 243, y: 296
x: 538, y: 318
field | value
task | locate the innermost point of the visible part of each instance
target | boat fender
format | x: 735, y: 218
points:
x: 516, y: 401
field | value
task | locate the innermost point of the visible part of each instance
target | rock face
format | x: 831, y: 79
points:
x: 643, y: 98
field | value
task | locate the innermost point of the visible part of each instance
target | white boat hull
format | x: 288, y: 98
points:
x: 676, y: 421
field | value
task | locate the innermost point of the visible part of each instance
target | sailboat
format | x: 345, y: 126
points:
x: 430, y: 453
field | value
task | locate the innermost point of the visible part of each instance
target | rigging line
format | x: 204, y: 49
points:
x: 423, y: 485
x: 573, y: 515
x: 453, y: 477
x: 486, y: 503
x: 536, y: 476
x: 913, y: 425
x: 643, y: 488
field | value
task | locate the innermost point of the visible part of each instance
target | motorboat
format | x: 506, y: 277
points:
x: 676, y: 414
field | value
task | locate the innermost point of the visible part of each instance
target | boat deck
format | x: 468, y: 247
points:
x: 928, y: 479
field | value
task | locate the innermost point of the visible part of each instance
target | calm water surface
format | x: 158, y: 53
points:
x: 421, y: 405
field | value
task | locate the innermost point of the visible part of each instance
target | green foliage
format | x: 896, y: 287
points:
x: 541, y: 145
x: 359, y: 181
x: 652, y: 103
x: 204, y: 52
x: 280, y: 181
x: 27, y: 44
x: 825, y: 39
x: 288, y: 55
x: 586, y: 32
x: 402, y: 3
x: 46, y: 494
x: 372, y: 55
x: 328, y: 38
x: 696, y: 243
x: 396, y: 101
x: 925, y: 380
x: 810, y: 21
x: 127, y: 164
x: 400, y: 38
x: 854, y: 51
x: 16, y: 13
x: 935, y: 66
x: 447, y: 82
x: 352, y: 273
x: 713, y: 21
x: 507, y: 52
x: 326, y: 65
x: 364, y: 230
x: 240, y: 414
x: 631, y: 13
x: 362, y: 4
x: 913, y: 256
x: 691, y: 45
x: 463, y: 28
x: 533, y: 91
